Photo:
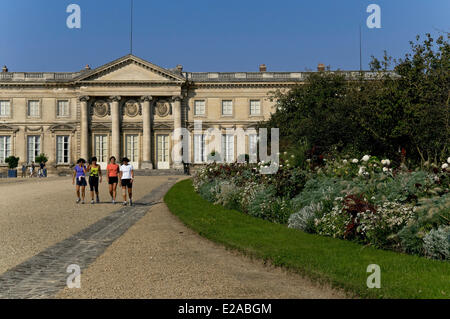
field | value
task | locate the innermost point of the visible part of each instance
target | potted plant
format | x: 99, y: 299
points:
x: 13, y: 162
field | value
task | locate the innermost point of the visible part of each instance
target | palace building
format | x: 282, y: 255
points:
x: 129, y: 107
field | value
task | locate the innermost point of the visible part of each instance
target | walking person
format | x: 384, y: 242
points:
x: 126, y: 177
x: 112, y: 174
x: 41, y: 169
x: 24, y: 170
x: 79, y: 173
x: 31, y: 169
x: 95, y: 176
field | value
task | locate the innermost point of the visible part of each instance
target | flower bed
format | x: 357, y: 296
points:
x: 367, y: 200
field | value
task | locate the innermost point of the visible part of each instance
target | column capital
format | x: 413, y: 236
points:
x: 146, y: 98
x: 177, y: 98
x: 115, y: 98
x: 84, y: 98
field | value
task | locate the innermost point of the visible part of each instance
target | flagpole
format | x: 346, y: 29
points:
x: 131, y: 27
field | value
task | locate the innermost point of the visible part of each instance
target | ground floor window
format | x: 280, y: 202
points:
x: 253, y: 145
x: 163, y: 148
x: 62, y: 149
x: 101, y: 148
x: 5, y: 148
x: 199, y: 148
x: 34, y: 147
x: 132, y: 143
x: 228, y: 148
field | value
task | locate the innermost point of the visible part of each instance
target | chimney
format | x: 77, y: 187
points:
x: 262, y: 68
x: 180, y: 68
x: 321, y: 67
x: 5, y: 69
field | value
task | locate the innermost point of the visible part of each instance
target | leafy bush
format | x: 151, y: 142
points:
x: 304, y: 218
x: 437, y: 243
x: 12, y: 161
x: 229, y: 195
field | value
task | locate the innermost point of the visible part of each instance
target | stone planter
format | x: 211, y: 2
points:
x: 12, y: 173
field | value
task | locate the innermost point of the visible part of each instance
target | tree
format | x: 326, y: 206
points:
x: 407, y: 109
x: 12, y: 161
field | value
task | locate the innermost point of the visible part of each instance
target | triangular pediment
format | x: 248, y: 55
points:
x: 129, y: 69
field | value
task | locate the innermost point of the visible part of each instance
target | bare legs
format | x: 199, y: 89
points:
x: 83, y: 192
x: 113, y: 191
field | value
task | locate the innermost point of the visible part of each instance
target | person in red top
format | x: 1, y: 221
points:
x: 113, y: 177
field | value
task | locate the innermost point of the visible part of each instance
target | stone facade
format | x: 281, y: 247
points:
x: 129, y: 107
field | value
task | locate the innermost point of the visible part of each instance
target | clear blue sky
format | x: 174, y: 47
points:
x: 211, y: 35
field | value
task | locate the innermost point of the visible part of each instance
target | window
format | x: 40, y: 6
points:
x: 5, y: 148
x: 34, y: 147
x: 228, y: 148
x: 227, y: 107
x: 62, y: 150
x: 253, y: 144
x: 199, y: 107
x: 33, y: 109
x: 62, y: 108
x: 255, y: 107
x: 5, y: 108
x: 101, y: 148
x: 199, y: 148
x: 132, y: 148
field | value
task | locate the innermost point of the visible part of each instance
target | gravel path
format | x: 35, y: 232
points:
x: 159, y: 257
x: 38, y: 213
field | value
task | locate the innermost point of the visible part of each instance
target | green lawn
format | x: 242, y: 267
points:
x: 339, y: 262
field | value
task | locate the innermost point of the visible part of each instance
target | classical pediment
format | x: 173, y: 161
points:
x: 163, y: 126
x: 130, y: 69
x: 62, y: 127
x: 7, y: 128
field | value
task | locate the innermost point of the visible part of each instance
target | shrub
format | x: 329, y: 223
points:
x: 12, y: 161
x: 436, y: 243
x: 228, y: 195
x: 304, y: 218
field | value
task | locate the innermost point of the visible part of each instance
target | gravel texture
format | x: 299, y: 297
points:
x: 38, y: 213
x: 159, y: 257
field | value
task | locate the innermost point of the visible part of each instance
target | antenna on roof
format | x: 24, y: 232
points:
x: 131, y: 27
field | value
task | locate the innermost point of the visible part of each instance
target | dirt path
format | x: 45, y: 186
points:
x: 159, y: 257
x: 38, y: 213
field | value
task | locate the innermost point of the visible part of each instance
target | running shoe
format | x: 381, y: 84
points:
x: 113, y: 201
x: 98, y: 200
x: 82, y: 202
x: 124, y: 203
x: 131, y: 202
x: 78, y: 200
x: 92, y: 202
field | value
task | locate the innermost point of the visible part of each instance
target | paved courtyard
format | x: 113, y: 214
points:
x: 138, y: 252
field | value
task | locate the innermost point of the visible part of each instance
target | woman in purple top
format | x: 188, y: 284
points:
x: 79, y: 173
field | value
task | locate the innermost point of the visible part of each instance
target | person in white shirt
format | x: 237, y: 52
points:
x: 126, y: 178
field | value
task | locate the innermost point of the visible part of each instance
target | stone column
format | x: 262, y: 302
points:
x: 176, y: 138
x: 84, y: 138
x: 115, y: 134
x: 147, y: 132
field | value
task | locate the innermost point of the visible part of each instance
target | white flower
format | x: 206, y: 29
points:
x: 292, y: 156
x: 355, y: 161
x: 385, y: 169
x: 444, y: 166
x: 448, y: 160
x: 362, y: 169
x: 345, y: 161
x: 386, y: 162
x: 366, y: 158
